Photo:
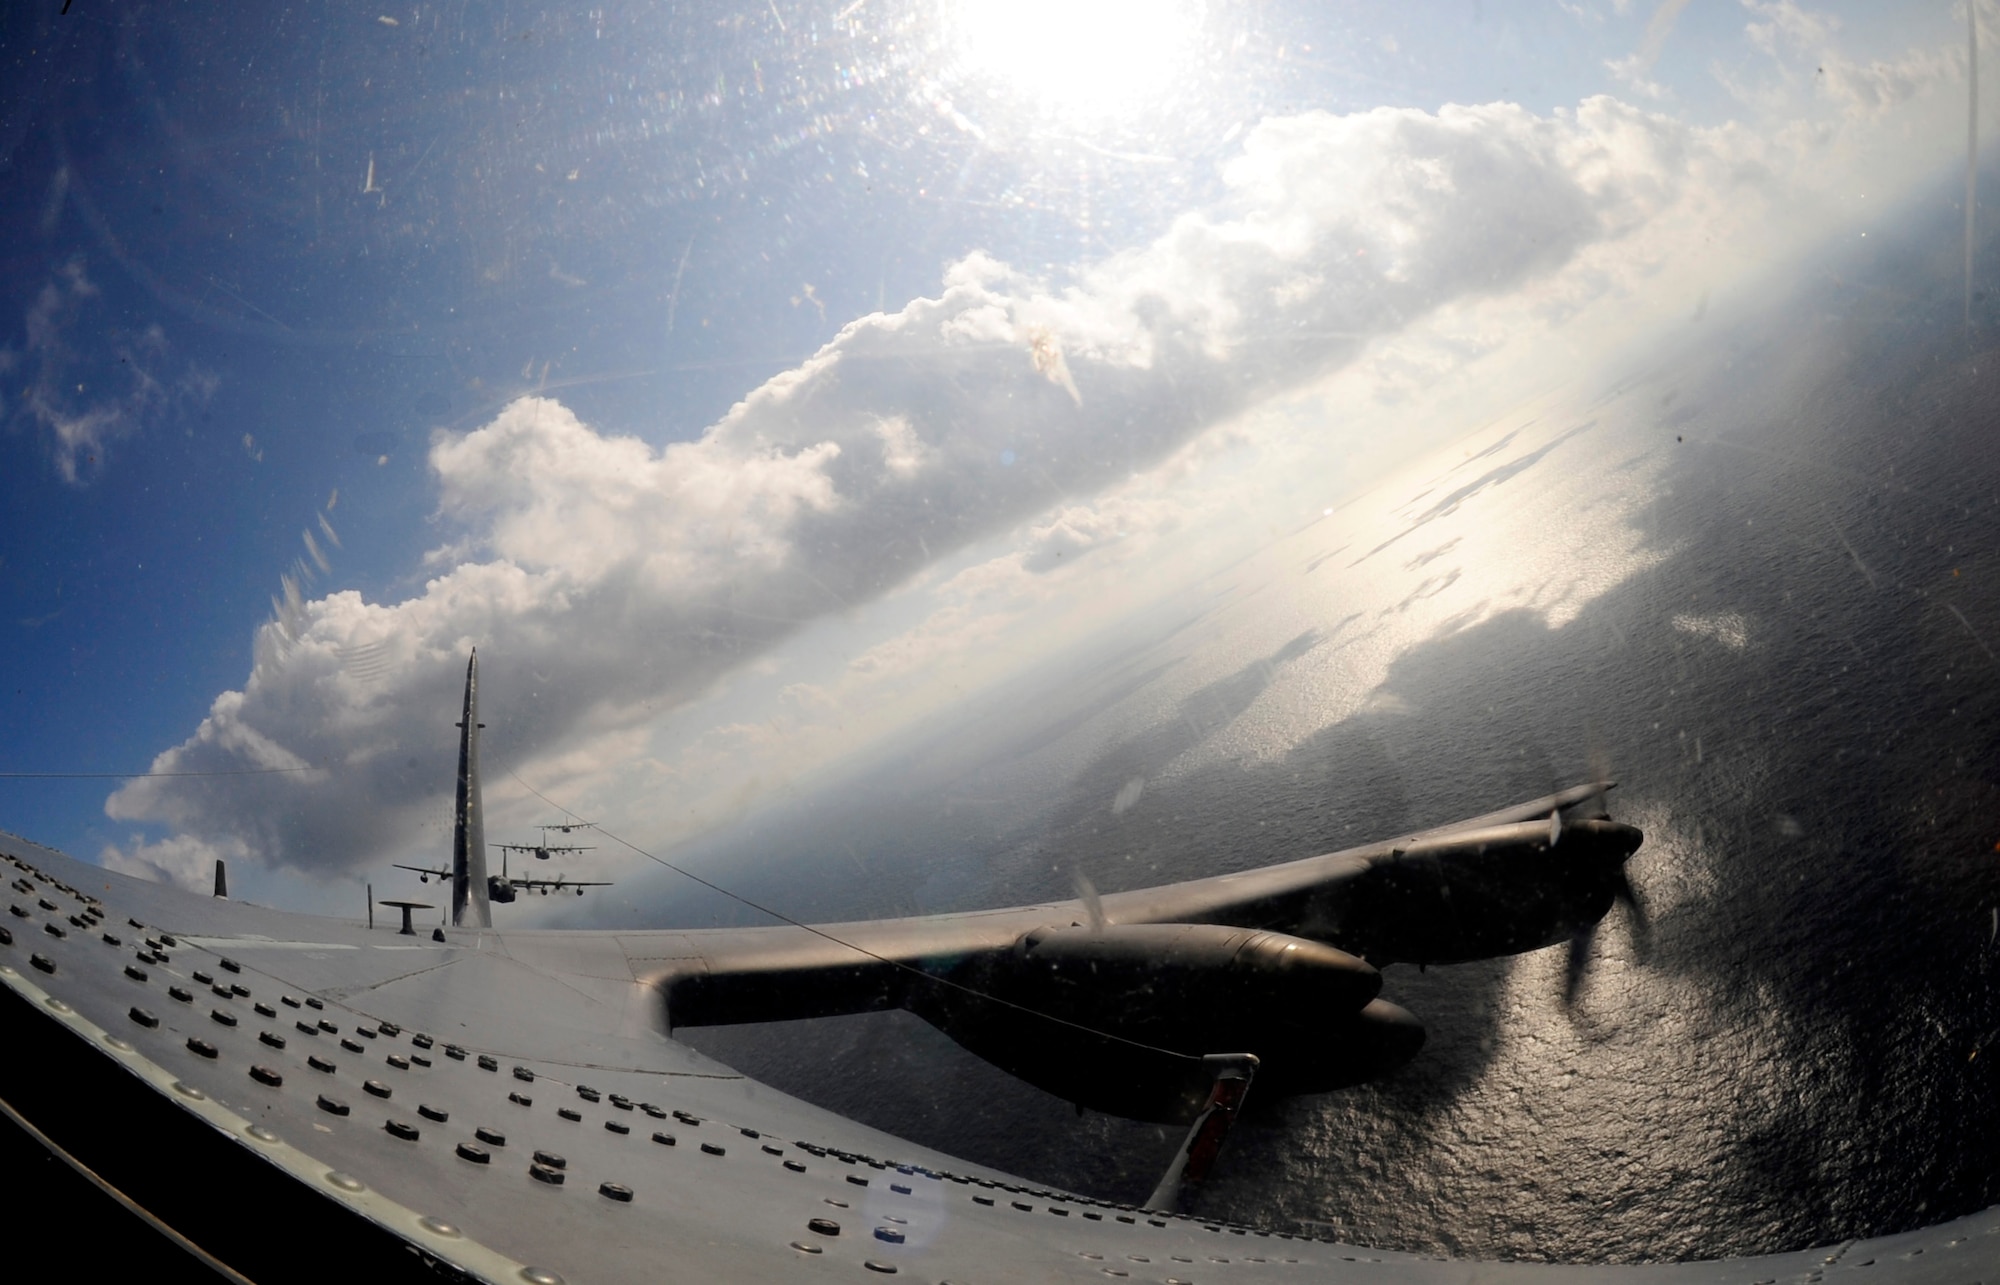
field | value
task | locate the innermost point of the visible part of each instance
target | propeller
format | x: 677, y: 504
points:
x: 1093, y: 905
x: 1613, y: 879
x: 1582, y: 946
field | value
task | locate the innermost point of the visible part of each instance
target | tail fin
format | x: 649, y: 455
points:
x: 469, y: 908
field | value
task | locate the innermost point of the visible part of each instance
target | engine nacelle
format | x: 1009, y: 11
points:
x: 1118, y: 1018
x: 1477, y: 894
x: 1200, y: 988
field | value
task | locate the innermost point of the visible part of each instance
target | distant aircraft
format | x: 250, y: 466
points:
x: 473, y: 891
x: 504, y: 887
x: 289, y: 1097
x: 542, y: 851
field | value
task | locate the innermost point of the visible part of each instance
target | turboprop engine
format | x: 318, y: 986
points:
x: 1117, y: 1018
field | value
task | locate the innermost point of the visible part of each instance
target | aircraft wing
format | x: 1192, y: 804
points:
x: 1385, y: 901
x: 1533, y: 809
x: 299, y: 1098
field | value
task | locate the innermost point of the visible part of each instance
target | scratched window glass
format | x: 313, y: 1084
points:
x: 900, y: 457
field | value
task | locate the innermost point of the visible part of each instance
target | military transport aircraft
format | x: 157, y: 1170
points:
x: 544, y: 850
x: 501, y: 889
x: 288, y: 1097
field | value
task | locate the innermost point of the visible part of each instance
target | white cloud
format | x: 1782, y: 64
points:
x: 902, y: 453
x: 1803, y: 48
x: 1880, y: 85
x: 1631, y: 71
x: 1076, y: 530
x: 1635, y: 68
x: 182, y: 860
x: 607, y: 581
x: 1786, y: 24
x: 79, y: 403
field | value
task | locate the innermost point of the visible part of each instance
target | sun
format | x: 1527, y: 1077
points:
x: 1085, y: 58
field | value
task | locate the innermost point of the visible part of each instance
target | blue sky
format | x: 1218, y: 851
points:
x: 259, y: 271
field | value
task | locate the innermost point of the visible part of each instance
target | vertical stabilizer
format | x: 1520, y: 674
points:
x: 468, y: 832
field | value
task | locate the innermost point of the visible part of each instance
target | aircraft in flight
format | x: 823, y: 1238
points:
x: 544, y: 850
x: 503, y: 888
x: 289, y: 1097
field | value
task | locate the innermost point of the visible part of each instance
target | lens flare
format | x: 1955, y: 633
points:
x: 1075, y: 57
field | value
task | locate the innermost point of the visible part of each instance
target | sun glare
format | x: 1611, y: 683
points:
x: 1075, y: 57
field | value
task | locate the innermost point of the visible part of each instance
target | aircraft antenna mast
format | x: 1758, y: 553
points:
x: 469, y: 908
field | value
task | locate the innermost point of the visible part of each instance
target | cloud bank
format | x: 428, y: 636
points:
x: 606, y: 580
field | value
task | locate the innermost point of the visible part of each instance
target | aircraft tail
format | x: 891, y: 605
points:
x: 469, y: 908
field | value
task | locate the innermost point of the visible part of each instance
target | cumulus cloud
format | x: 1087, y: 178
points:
x: 1879, y: 84
x: 181, y: 859
x: 80, y: 405
x: 605, y: 580
x: 1074, y: 531
x: 1804, y: 45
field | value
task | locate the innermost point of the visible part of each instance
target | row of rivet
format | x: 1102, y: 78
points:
x: 204, y: 1049
x: 527, y: 1075
x: 434, y: 1226
x: 547, y: 1166
x: 268, y: 1076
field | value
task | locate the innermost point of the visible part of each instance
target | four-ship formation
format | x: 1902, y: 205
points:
x: 474, y: 892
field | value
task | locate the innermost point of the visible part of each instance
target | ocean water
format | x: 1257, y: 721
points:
x: 1759, y: 578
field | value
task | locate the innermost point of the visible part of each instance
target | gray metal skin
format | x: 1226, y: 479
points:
x: 566, y: 1045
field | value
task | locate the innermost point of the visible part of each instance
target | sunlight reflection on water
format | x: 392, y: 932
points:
x: 1791, y: 1055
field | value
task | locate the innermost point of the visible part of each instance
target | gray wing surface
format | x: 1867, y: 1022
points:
x: 719, y: 976
x: 304, y: 1084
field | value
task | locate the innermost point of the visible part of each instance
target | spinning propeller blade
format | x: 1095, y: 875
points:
x: 1616, y: 881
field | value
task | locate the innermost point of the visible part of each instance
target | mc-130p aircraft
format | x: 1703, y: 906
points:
x: 288, y: 1097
